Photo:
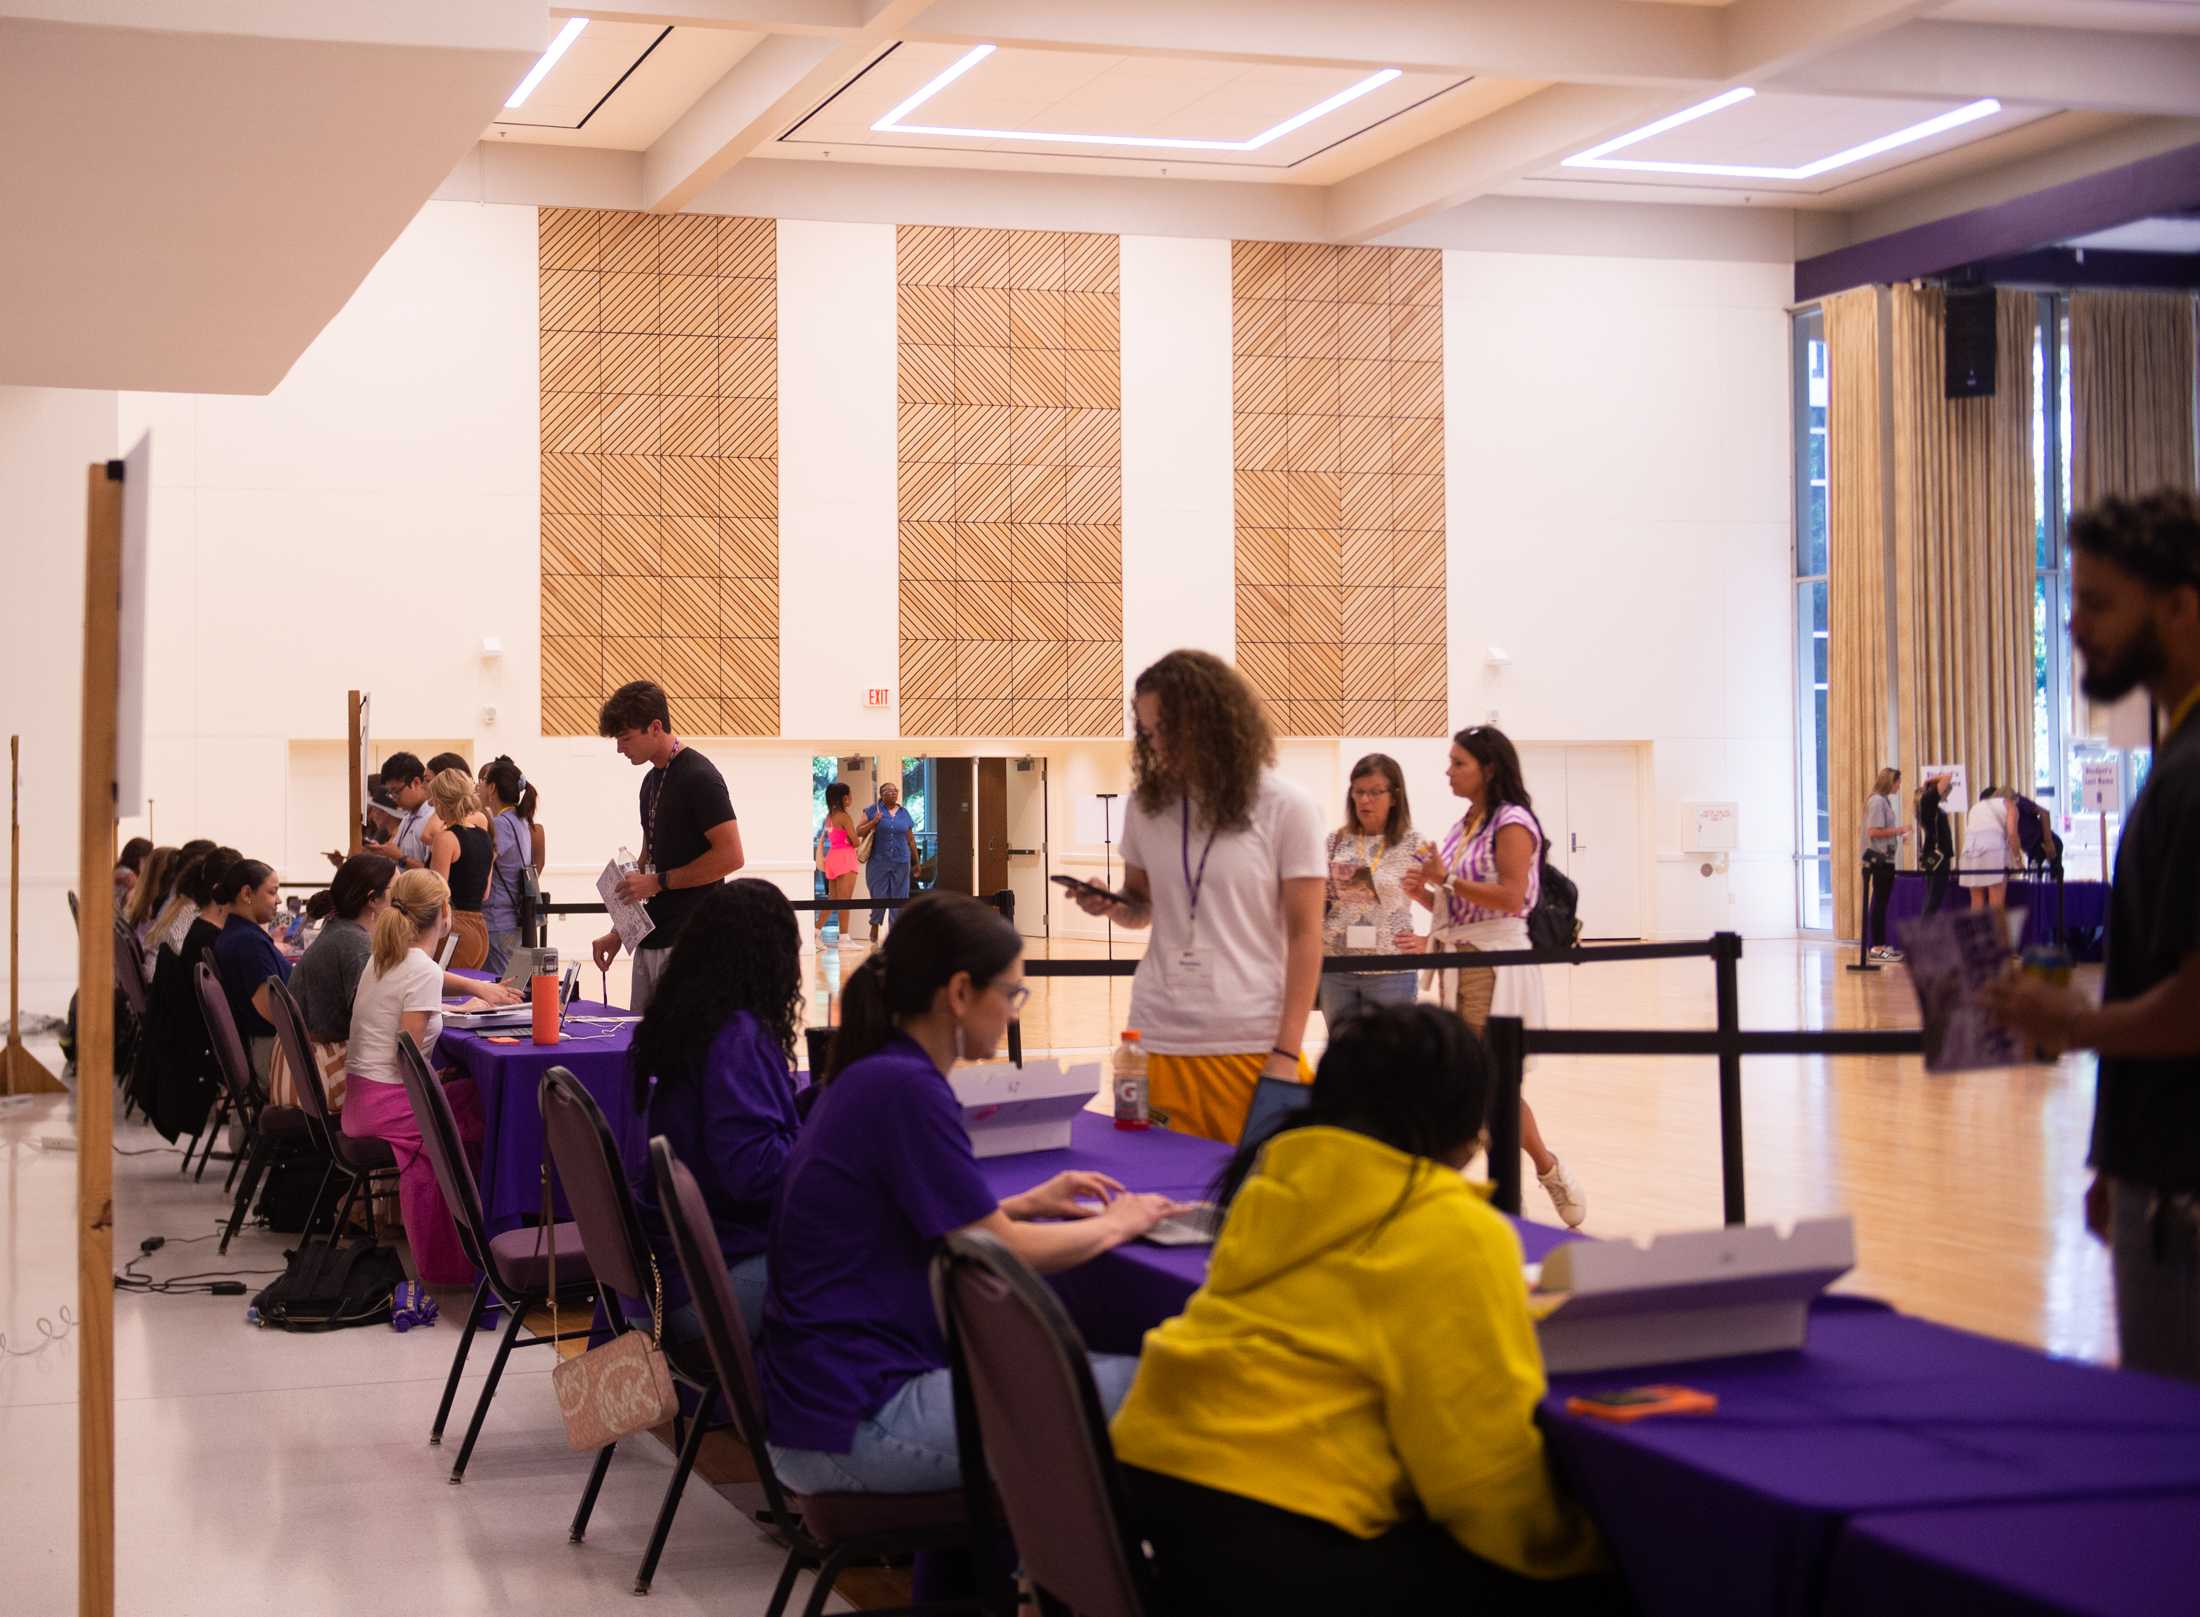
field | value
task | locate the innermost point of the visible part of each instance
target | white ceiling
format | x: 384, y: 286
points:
x: 620, y: 85
x: 187, y: 205
x: 2121, y: 16
x: 2175, y: 234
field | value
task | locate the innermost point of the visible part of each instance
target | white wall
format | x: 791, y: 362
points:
x: 1617, y: 435
x: 48, y: 436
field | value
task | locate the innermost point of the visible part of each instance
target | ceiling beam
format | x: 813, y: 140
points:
x: 829, y: 17
x: 2059, y: 67
x: 1580, y: 41
x: 764, y: 93
x: 1755, y: 38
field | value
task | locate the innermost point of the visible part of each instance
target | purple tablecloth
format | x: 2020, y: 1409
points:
x: 1121, y: 1295
x: 2084, y: 911
x: 508, y: 1076
x: 1740, y: 1511
x: 2084, y: 1558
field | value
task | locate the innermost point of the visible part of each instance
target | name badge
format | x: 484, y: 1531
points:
x: 1359, y: 937
x: 1191, y: 969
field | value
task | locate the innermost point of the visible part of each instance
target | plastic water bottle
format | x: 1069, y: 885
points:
x: 1130, y: 1083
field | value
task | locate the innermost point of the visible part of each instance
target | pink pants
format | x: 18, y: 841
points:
x: 384, y: 1112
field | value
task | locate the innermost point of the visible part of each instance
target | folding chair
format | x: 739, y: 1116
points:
x: 268, y: 1130
x: 360, y: 1161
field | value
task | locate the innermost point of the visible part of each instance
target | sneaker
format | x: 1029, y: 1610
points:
x: 1891, y: 956
x: 1566, y: 1196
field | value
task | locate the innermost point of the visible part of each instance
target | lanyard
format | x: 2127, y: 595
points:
x: 649, y: 831
x: 1371, y: 863
x: 1192, y: 884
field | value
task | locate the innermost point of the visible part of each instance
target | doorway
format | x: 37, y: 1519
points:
x: 1589, y: 799
x: 987, y: 830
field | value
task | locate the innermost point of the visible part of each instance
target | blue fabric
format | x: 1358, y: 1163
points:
x: 891, y: 845
x: 1350, y: 994
x: 245, y: 957
x: 683, y: 1324
x: 514, y: 848
x: 732, y: 1125
x: 909, y: 1445
x: 891, y: 881
x: 881, y: 1170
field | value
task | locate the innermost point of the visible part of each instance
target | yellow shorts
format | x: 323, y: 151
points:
x: 1207, y: 1095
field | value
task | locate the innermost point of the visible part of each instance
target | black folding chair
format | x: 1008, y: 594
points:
x: 361, y: 1161
x: 268, y: 1130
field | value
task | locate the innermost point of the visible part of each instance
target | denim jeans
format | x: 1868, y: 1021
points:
x: 1349, y: 994
x: 684, y: 1324
x: 908, y: 1445
x: 886, y: 881
x: 501, y: 948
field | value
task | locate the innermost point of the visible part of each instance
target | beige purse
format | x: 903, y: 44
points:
x: 618, y: 1389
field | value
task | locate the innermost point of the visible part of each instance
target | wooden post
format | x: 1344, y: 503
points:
x: 24, y: 1073
x: 95, y: 1049
x: 358, y: 786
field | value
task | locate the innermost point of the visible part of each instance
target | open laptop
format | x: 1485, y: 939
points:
x: 1274, y: 1100
x: 511, y: 1018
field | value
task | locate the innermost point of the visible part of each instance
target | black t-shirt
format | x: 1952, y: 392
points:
x: 1932, y: 824
x: 681, y: 803
x: 2146, y: 1113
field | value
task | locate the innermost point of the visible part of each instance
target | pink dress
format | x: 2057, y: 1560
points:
x: 840, y: 854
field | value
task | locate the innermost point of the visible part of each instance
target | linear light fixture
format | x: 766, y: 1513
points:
x: 892, y: 123
x: 535, y: 75
x: 1600, y: 156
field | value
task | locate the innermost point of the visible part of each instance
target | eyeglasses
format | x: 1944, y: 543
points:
x: 1369, y: 794
x: 1018, y: 997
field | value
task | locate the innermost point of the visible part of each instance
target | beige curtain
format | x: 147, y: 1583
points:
x: 2131, y: 393
x: 1965, y: 548
x: 1856, y: 584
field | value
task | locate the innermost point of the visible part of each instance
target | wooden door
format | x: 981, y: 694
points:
x: 954, y: 818
x: 992, y: 825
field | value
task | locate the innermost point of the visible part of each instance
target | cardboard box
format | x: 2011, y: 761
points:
x: 1007, y: 1109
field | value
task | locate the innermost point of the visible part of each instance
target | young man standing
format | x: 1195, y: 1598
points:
x: 406, y: 781
x: 2135, y: 620
x: 690, y: 839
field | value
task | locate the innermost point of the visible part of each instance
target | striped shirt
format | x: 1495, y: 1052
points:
x: 1475, y: 859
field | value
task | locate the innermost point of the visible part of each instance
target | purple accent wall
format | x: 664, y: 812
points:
x: 2116, y: 196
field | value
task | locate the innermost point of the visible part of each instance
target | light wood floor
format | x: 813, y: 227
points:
x: 1965, y: 1189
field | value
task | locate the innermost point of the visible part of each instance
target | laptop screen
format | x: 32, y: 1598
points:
x: 1274, y: 1099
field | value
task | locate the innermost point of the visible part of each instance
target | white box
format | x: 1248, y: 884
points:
x: 1701, y: 1294
x: 1007, y: 1109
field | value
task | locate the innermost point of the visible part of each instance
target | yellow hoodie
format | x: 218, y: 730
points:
x: 1362, y: 1376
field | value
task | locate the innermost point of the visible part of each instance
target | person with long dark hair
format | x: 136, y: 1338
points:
x: 1936, y: 842
x: 509, y: 802
x: 173, y: 920
x: 327, y: 977
x: 713, y: 1061
x: 1365, y: 908
x: 247, y: 957
x: 837, y: 859
x: 1483, y: 883
x: 178, y: 1081
x: 856, y: 1389
x: 1222, y: 858
x: 1363, y: 1303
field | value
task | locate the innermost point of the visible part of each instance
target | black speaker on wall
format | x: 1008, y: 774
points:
x: 1969, y: 354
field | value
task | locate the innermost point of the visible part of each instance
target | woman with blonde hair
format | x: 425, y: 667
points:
x: 1223, y: 858
x: 401, y: 991
x: 1884, y: 834
x: 460, y: 851
x: 156, y: 883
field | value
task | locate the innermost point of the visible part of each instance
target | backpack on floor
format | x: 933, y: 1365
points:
x: 289, y: 1189
x: 327, y: 1289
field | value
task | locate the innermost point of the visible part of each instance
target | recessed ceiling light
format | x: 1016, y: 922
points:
x: 566, y: 35
x: 1599, y: 156
x: 892, y: 123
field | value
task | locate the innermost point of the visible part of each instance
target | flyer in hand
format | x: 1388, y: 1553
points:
x: 631, y: 920
x: 1951, y: 957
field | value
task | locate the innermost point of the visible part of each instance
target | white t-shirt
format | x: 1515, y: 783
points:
x: 1230, y: 1007
x: 415, y: 983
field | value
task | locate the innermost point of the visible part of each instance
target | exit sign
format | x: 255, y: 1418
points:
x: 878, y: 696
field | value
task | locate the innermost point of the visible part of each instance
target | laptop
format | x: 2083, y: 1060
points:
x: 1274, y: 1100
x: 509, y: 1018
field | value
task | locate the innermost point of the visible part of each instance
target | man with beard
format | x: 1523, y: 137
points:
x: 2136, y: 621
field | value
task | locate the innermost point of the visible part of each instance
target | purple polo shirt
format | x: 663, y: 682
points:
x: 732, y: 1124
x: 881, y: 1170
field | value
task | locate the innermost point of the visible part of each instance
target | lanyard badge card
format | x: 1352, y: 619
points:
x: 1190, y: 969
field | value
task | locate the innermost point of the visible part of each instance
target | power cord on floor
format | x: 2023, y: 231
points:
x: 209, y: 1282
x: 45, y: 1330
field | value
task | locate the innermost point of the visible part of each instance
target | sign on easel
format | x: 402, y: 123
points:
x: 1957, y: 799
x: 2101, y: 786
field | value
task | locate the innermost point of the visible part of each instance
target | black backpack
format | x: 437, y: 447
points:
x: 1554, y: 925
x: 328, y: 1288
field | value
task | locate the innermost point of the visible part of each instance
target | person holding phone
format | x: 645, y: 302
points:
x: 1365, y: 907
x: 890, y: 835
x: 1223, y: 859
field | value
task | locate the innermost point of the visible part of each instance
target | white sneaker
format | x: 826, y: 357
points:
x: 1566, y: 1197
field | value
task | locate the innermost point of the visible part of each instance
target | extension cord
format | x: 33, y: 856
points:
x: 54, y: 1142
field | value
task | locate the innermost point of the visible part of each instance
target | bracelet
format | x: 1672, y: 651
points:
x: 1288, y: 1055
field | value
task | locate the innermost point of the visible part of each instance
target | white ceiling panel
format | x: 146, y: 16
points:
x: 631, y: 93
x: 2119, y: 16
x: 599, y: 56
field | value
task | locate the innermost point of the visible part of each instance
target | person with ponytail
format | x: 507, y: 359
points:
x: 1365, y: 1304
x: 154, y: 885
x: 177, y: 1082
x: 510, y: 804
x: 246, y: 957
x: 401, y: 991
x: 856, y: 1390
x: 175, y: 915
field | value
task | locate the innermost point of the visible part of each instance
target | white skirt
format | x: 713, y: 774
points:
x: 1518, y: 990
x: 1985, y: 851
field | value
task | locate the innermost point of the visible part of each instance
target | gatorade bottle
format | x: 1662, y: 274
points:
x: 1130, y: 1083
x: 542, y: 996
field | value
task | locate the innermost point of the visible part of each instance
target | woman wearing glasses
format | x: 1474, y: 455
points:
x: 1366, y: 909
x: 856, y: 1390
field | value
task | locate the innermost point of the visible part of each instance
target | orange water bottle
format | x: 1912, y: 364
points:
x: 1130, y: 1083
x: 542, y: 996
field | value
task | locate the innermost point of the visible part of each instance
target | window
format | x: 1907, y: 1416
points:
x: 2051, y: 683
x: 1814, y: 819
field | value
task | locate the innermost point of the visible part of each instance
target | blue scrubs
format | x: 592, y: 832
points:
x: 887, y: 874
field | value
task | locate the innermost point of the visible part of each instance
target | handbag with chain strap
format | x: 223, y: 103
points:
x: 617, y: 1389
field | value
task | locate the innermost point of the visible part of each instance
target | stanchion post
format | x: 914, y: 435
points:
x: 1726, y: 961
x: 1864, y: 961
x: 1503, y: 1036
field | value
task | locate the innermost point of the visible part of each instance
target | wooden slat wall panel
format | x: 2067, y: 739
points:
x: 660, y: 466
x: 1010, y: 482
x: 1338, y: 395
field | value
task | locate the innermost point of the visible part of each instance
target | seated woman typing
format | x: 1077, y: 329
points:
x: 856, y: 1392
x: 712, y: 1073
x: 1343, y: 1418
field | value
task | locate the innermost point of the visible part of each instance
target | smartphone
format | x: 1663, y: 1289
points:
x: 1081, y: 888
x: 1638, y: 1403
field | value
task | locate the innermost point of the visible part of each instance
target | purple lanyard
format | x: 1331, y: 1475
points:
x: 1192, y: 884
